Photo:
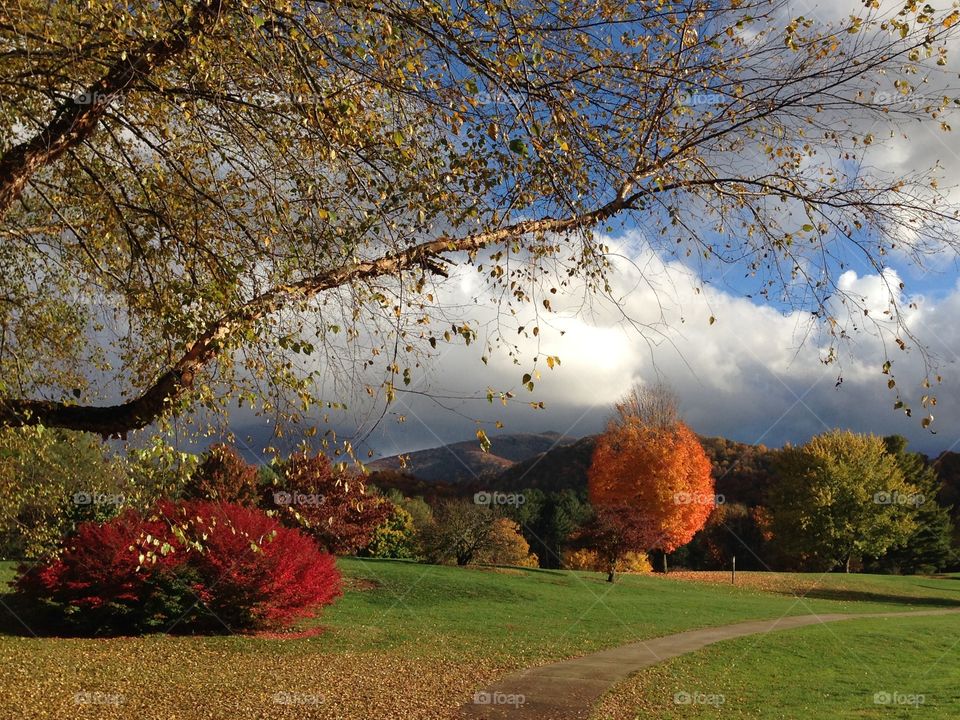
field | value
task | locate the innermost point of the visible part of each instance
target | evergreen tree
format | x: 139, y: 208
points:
x: 928, y: 549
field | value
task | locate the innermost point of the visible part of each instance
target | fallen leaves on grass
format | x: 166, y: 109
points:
x: 176, y: 678
x: 658, y: 692
x: 359, y: 584
x: 789, y: 583
x: 290, y: 635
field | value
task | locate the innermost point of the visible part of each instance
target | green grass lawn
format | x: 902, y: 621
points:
x: 878, y: 668
x: 541, y: 614
x: 406, y: 640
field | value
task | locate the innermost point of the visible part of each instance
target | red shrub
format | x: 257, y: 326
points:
x: 255, y: 571
x: 190, y: 565
x: 98, y: 573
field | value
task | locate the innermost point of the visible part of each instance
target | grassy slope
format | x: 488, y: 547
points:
x: 415, y: 644
x: 547, y: 614
x: 853, y: 669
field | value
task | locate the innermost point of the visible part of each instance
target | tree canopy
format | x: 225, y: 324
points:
x: 841, y: 496
x: 658, y: 476
x: 198, y: 197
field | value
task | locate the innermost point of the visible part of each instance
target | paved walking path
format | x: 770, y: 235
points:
x: 568, y: 690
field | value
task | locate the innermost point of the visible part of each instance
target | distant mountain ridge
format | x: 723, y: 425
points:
x: 465, y: 463
x: 559, y: 468
x: 550, y: 462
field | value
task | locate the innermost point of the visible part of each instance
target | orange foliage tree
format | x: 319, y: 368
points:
x: 652, y: 484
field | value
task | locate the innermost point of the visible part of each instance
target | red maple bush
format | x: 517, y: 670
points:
x: 97, y: 578
x: 188, y: 566
x: 255, y: 572
x: 331, y: 504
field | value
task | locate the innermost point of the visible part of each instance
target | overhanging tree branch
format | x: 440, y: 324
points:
x: 177, y: 381
x: 290, y: 151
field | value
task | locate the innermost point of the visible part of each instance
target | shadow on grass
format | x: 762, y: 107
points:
x: 23, y: 618
x: 19, y: 621
x: 862, y: 596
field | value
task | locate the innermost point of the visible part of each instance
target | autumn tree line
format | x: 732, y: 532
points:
x: 649, y: 487
x: 656, y: 496
x: 841, y: 501
x: 651, y: 493
x: 55, y: 483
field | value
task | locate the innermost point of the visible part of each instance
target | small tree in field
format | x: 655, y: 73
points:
x: 459, y: 531
x: 611, y: 535
x: 839, y: 496
x: 649, y: 479
x: 395, y: 537
x: 506, y: 546
x: 331, y: 504
x: 224, y: 476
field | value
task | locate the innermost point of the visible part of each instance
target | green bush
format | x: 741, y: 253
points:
x: 49, y: 481
x: 395, y: 537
